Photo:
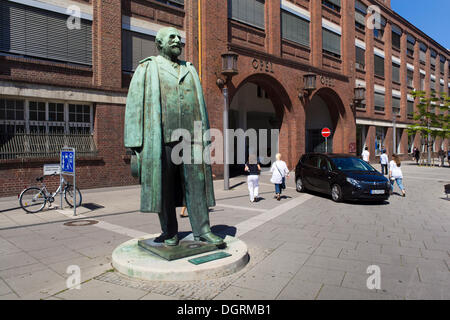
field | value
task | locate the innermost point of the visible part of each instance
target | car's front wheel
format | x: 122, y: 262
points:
x: 336, y: 193
x: 299, y: 185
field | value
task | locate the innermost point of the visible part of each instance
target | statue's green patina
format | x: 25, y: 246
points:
x: 165, y: 94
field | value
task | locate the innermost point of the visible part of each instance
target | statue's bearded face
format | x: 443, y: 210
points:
x: 170, y: 43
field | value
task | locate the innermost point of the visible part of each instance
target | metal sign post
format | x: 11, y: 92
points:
x: 326, y: 133
x: 68, y: 167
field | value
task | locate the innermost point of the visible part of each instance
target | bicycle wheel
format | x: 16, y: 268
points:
x: 32, y: 200
x: 69, y: 194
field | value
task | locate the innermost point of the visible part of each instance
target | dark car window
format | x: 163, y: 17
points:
x: 312, y: 161
x: 352, y: 164
x: 324, y: 164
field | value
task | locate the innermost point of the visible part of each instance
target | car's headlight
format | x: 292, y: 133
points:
x: 353, y: 182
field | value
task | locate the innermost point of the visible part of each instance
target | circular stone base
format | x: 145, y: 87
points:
x: 136, y: 262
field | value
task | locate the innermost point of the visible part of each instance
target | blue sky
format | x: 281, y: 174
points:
x: 430, y: 16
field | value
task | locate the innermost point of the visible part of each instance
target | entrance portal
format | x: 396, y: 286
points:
x: 318, y: 117
x: 252, y: 108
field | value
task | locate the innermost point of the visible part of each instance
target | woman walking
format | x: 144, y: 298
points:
x: 395, y: 174
x: 253, y: 168
x: 417, y: 155
x: 279, y: 173
x: 384, y: 161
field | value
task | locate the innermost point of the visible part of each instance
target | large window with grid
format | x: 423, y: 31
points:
x: 379, y: 66
x: 333, y: 4
x: 395, y: 72
x: 247, y: 11
x: 29, y: 31
x: 379, y: 102
x: 432, y: 84
x: 422, y: 82
x: 37, y: 128
x: 360, y: 15
x: 433, y: 56
x: 294, y: 28
x: 396, y: 105
x: 423, y: 53
x: 410, y: 109
x: 410, y: 43
x: 360, y: 58
x: 410, y: 78
x: 135, y: 47
x: 331, y: 43
x: 396, y: 36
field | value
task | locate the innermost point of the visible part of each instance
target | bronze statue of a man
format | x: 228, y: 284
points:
x: 165, y: 94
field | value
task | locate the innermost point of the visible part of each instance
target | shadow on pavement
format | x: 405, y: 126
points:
x: 224, y: 230
x: 352, y: 202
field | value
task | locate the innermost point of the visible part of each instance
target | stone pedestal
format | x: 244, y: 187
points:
x: 134, y: 261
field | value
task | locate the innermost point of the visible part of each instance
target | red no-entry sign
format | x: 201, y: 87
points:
x: 326, y: 132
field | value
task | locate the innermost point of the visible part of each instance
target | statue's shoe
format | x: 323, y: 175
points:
x: 210, y: 238
x: 171, y: 242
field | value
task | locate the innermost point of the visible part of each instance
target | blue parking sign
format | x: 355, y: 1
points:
x: 68, y: 161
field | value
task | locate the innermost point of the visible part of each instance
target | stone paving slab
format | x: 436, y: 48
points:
x: 316, y: 250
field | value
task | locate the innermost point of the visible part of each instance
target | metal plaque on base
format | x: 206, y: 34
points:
x: 185, y: 248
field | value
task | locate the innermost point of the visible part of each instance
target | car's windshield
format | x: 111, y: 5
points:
x: 352, y: 164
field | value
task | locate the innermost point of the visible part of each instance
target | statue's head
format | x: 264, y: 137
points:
x: 168, y: 42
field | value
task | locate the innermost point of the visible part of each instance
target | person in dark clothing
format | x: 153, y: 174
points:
x: 441, y: 155
x: 253, y: 168
x: 417, y: 155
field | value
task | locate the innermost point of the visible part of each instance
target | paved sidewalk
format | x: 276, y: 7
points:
x: 304, y: 247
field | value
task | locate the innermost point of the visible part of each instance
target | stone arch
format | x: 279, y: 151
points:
x: 324, y: 109
x: 259, y: 102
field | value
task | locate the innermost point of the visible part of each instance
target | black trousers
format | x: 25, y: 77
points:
x: 190, y: 179
x: 384, y: 169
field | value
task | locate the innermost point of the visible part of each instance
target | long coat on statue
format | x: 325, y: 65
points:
x: 143, y: 130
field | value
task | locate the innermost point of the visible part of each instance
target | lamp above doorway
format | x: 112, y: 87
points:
x: 309, y: 85
x: 358, y: 98
x: 360, y: 94
x: 229, y: 67
x: 229, y: 64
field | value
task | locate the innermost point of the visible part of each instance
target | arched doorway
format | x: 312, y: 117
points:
x: 258, y: 104
x: 323, y: 111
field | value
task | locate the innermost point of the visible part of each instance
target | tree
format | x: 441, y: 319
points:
x: 429, y: 124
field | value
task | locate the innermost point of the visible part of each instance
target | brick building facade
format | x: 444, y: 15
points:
x: 59, y: 82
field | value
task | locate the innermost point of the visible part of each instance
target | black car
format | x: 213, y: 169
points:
x: 342, y: 176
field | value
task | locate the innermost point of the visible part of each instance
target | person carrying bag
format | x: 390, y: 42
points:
x: 279, y: 173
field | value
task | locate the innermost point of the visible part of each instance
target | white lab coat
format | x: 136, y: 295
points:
x: 384, y: 159
x: 279, y: 170
x: 366, y: 155
x: 395, y: 171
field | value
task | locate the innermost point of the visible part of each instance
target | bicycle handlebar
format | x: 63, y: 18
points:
x: 41, y: 179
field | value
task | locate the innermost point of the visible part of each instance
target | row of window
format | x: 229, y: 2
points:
x: 380, y: 71
x: 35, y: 32
x: 360, y: 22
x: 379, y: 105
x: 30, y: 116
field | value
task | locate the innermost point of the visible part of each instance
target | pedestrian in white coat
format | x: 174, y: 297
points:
x: 384, y: 160
x: 279, y: 171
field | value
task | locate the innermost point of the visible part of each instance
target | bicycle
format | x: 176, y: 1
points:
x: 34, y: 199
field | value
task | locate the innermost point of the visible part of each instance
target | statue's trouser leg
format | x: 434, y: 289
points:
x: 168, y: 216
x: 194, y: 179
